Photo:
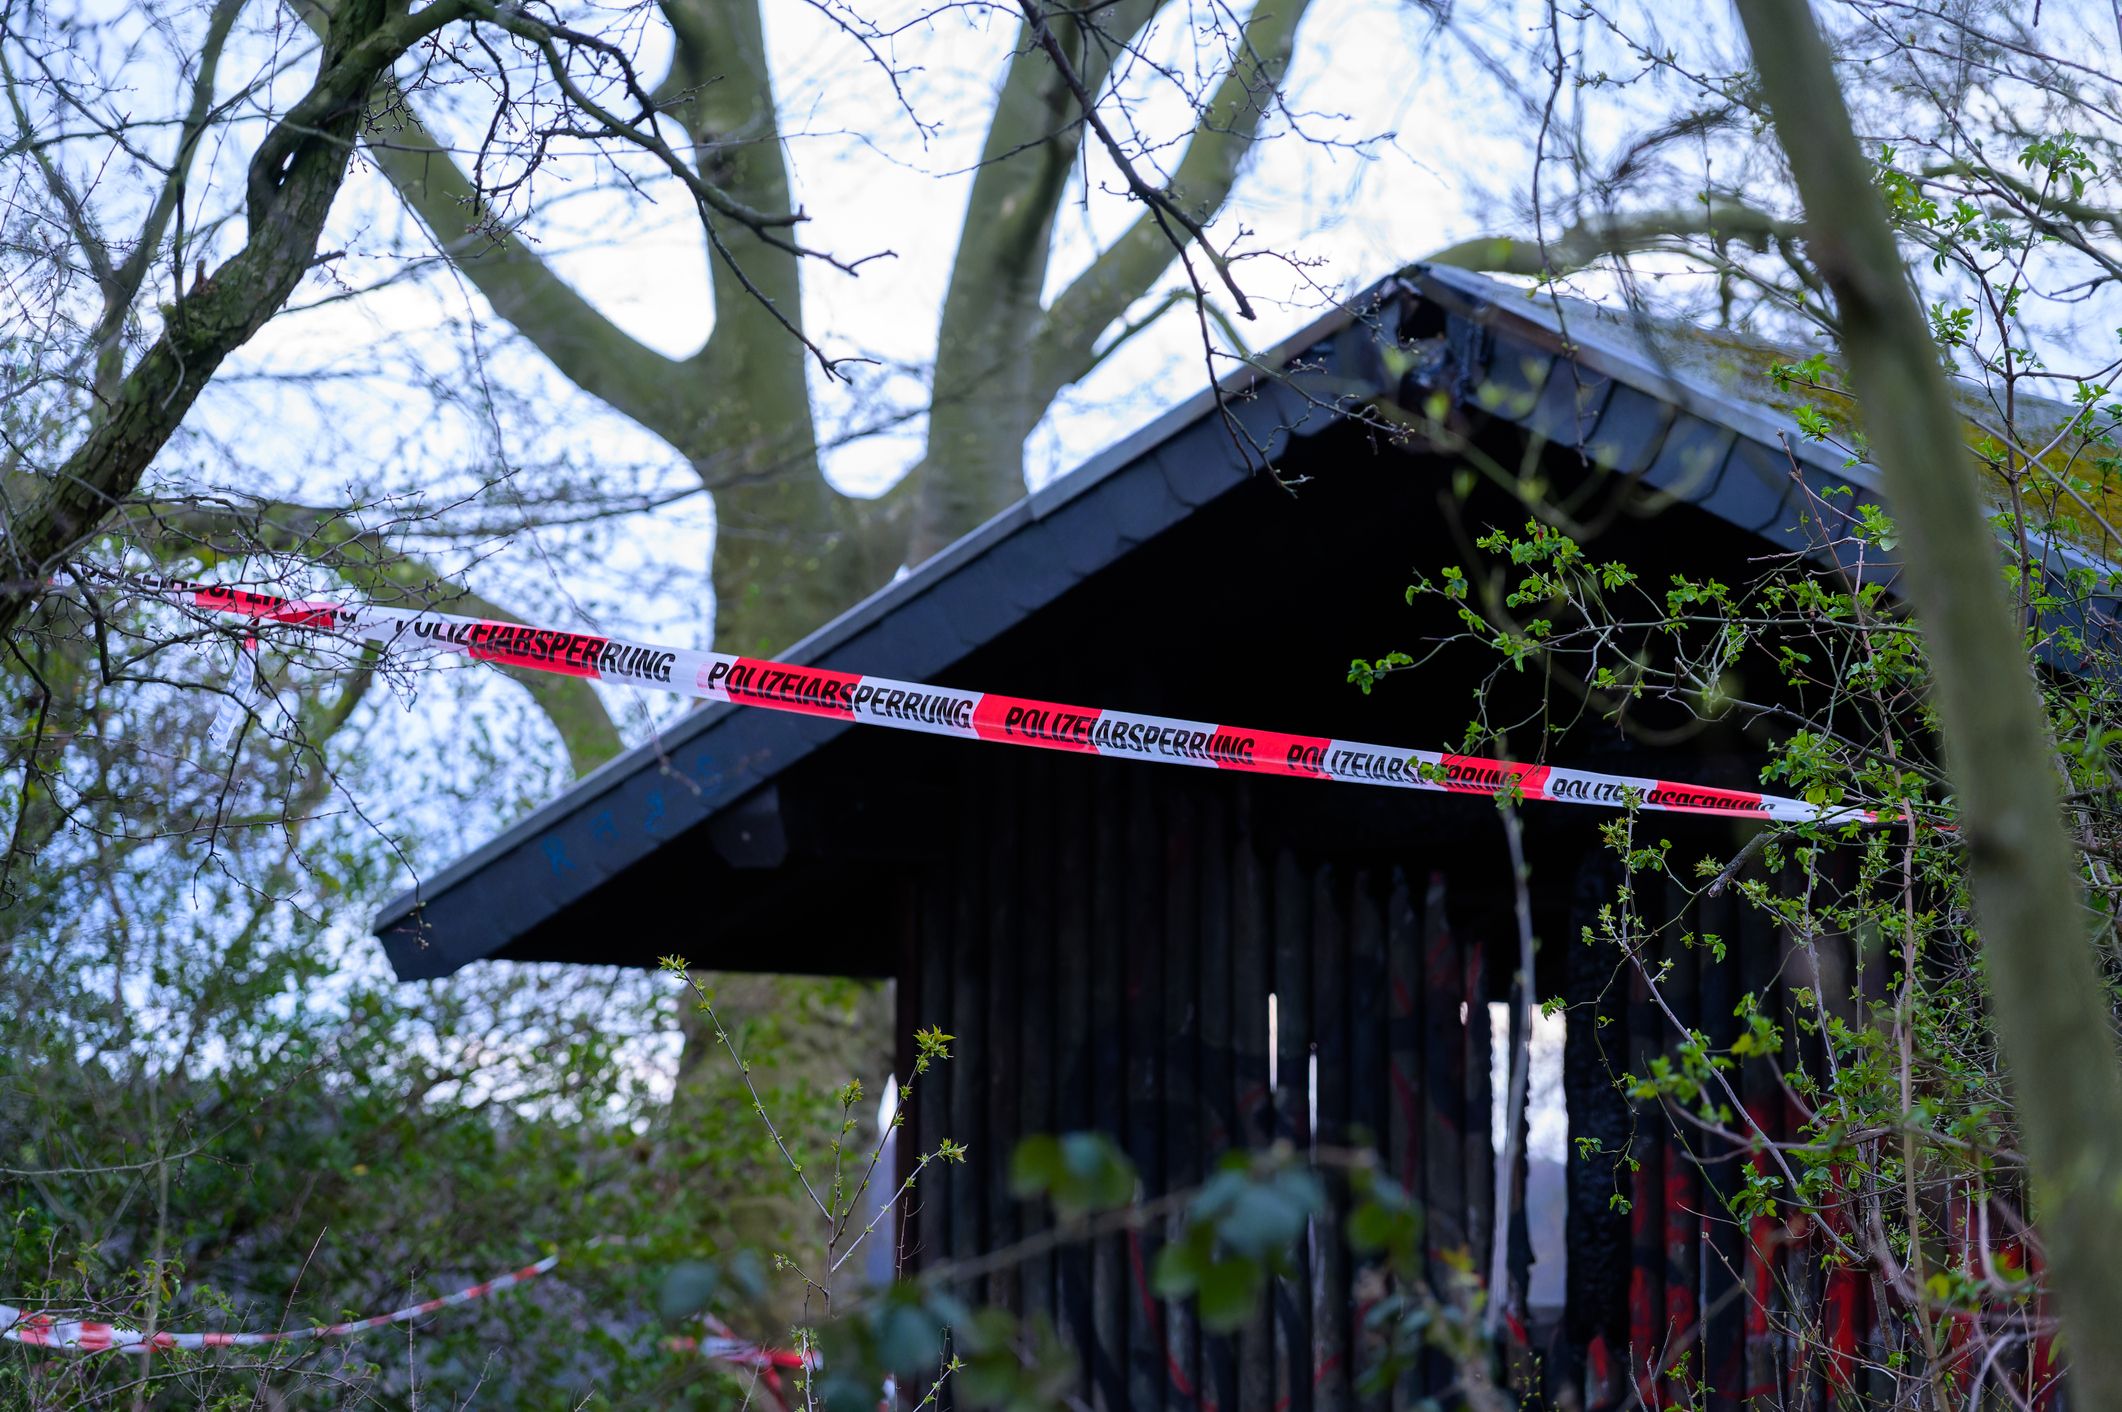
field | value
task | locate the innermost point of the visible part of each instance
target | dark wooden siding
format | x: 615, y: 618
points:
x: 1104, y: 942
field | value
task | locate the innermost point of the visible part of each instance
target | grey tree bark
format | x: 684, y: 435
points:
x: 791, y: 550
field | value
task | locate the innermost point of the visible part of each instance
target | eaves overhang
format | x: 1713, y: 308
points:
x: 1575, y: 375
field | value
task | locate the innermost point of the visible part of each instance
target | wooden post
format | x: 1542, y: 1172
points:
x: 1253, y: 1101
x: 1184, y: 1130
x: 1142, y: 920
x: 1293, y: 986
x: 1331, y: 1349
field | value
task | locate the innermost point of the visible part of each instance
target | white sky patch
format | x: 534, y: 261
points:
x: 1546, y: 1147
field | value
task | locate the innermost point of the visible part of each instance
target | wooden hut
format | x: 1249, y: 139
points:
x: 1105, y: 939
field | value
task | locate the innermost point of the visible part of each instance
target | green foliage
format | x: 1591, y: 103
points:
x: 1366, y: 675
x: 258, y: 1132
x: 1078, y: 1172
x: 1240, y: 1229
x: 1905, y: 1118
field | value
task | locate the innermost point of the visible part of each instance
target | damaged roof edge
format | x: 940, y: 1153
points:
x: 1640, y: 413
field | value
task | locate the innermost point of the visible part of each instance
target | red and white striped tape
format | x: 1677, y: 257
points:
x: 43, y: 1330
x: 974, y: 715
x: 89, y: 1336
x: 723, y: 1345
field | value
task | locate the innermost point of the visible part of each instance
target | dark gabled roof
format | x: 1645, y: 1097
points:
x: 1633, y: 400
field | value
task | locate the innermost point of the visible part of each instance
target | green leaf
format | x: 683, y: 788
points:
x: 1229, y: 1294
x: 688, y: 1287
x: 1078, y: 1172
x: 909, y: 1338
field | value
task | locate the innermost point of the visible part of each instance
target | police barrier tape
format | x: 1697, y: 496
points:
x: 89, y: 1336
x: 40, y: 1330
x: 974, y: 715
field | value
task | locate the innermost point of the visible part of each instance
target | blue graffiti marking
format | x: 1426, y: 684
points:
x: 704, y: 771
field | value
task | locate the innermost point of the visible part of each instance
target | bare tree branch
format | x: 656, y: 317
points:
x: 1125, y: 270
x: 1590, y: 241
x: 1156, y: 197
x: 293, y: 178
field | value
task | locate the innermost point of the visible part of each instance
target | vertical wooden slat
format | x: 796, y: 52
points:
x: 1443, y: 1084
x: 1253, y: 1102
x: 1331, y: 1292
x: 928, y: 1230
x: 1220, y: 1071
x: 906, y: 1018
x: 1074, y: 961
x: 1443, y: 1094
x: 1368, y: 1009
x: 1404, y: 946
x: 1723, y: 1246
x: 1369, y: 1002
x: 1185, y: 1128
x: 1040, y: 1001
x: 1292, y: 893
x: 1403, y: 1035
x: 1804, y: 1356
x: 1480, y: 1139
x: 1001, y: 1074
x: 1109, y: 1264
x: 1510, y: 1283
x: 1143, y: 921
x: 1760, y: 1091
x: 1682, y: 1198
x: 971, y: 956
x: 1595, y: 1053
x: 1646, y: 1289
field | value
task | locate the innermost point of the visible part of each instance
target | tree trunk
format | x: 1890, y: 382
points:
x: 2048, y: 997
x: 791, y: 554
x: 981, y: 407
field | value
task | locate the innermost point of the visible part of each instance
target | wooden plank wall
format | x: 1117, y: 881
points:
x: 1704, y: 1314
x: 1715, y: 1313
x: 1104, y: 943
